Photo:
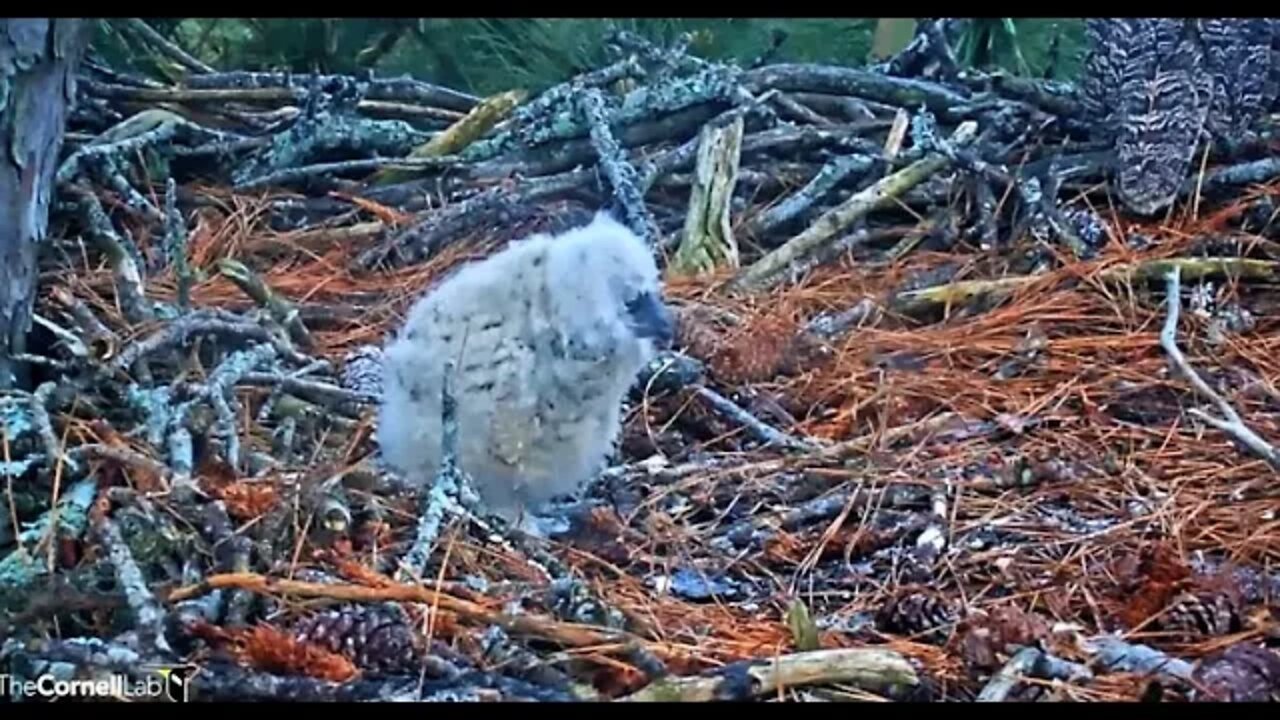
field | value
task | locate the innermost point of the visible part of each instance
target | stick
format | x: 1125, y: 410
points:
x: 175, y: 243
x: 869, y: 668
x: 281, y: 309
x: 569, y: 634
x: 836, y: 171
x: 622, y: 175
x: 171, y: 50
x: 880, y: 194
x: 448, y: 493
x: 1230, y: 421
x: 761, y: 430
x: 149, y: 616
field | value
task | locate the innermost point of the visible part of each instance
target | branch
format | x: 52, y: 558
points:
x: 622, y: 175
x: 766, y: 270
x: 149, y: 615
x: 171, y: 50
x: 761, y: 430
x: 1230, y: 421
x: 448, y: 494
x: 869, y: 668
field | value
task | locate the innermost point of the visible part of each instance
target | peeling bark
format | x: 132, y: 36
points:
x: 38, y: 57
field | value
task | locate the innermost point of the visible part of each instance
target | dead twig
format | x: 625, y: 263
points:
x: 869, y: 668
x: 1230, y: 421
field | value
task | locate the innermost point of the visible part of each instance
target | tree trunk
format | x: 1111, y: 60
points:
x: 38, y: 57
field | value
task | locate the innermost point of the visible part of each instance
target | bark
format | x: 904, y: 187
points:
x: 38, y: 57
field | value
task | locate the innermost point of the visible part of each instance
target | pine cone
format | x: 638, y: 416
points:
x: 1202, y: 613
x: 376, y: 638
x: 362, y: 370
x: 1242, y: 673
x: 915, y: 611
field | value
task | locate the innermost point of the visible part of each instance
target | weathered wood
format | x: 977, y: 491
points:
x: 38, y: 57
x: 708, y: 241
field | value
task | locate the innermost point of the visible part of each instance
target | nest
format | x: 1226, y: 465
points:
x: 945, y: 453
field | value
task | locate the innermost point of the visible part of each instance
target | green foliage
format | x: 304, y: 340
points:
x: 488, y: 55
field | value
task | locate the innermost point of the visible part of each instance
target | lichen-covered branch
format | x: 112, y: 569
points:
x: 762, y: 431
x: 450, y: 492
x: 170, y: 49
x: 149, y: 617
x: 24, y: 565
x: 124, y: 258
x: 175, y: 243
x: 623, y: 179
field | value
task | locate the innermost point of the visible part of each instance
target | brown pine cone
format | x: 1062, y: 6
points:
x: 1202, y: 613
x: 915, y: 611
x: 375, y: 638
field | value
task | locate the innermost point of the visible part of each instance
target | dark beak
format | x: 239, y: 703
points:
x: 650, y: 318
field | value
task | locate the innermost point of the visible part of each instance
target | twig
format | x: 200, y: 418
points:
x: 1113, y: 653
x: 1032, y: 662
x: 175, y: 243
x: 832, y: 326
x: 897, y: 91
x: 419, y: 241
x: 282, y: 311
x: 623, y: 179
x: 872, y: 669
x: 523, y: 624
x: 1230, y: 421
x: 102, y: 341
x: 333, y: 397
x: 929, y: 299
x: 450, y: 493
x: 1248, y: 173
x: 148, y: 615
x: 20, y: 568
x: 459, y: 134
x: 766, y: 270
x: 226, y: 682
x: 201, y: 322
x: 44, y: 425
x: 400, y: 89
x: 154, y: 131
x: 124, y: 258
x: 761, y: 430
x: 166, y: 47
x: 832, y: 174
x: 107, y: 169
x: 714, y: 85
x: 292, y: 175
x: 219, y: 392
x: 124, y: 456
x: 1194, y: 268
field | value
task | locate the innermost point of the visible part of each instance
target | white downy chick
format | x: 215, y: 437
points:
x: 547, y: 336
